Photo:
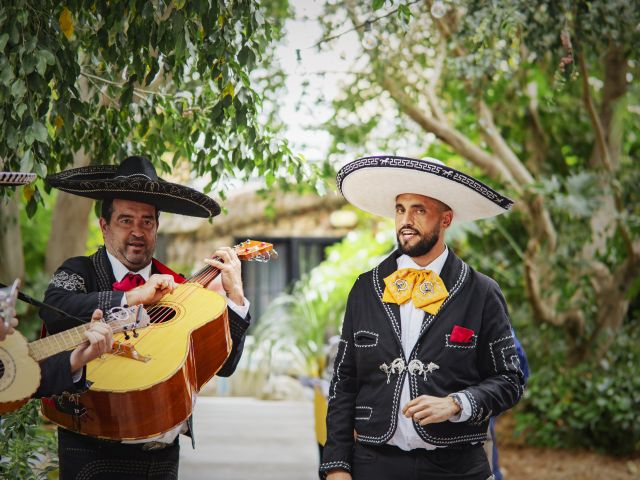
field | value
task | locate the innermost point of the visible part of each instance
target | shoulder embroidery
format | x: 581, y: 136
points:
x: 71, y: 282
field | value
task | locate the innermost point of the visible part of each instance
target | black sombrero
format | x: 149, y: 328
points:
x: 13, y: 179
x: 373, y: 183
x: 134, y: 179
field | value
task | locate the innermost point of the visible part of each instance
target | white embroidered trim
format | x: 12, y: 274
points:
x: 330, y: 465
x: 365, y: 408
x: 472, y: 344
x: 337, y: 372
x: 71, y: 282
x: 364, y: 345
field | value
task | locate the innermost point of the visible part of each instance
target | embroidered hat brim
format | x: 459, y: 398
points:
x: 134, y: 179
x: 13, y: 179
x: 373, y: 184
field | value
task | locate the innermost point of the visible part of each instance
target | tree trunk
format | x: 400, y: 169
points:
x: 11, y: 254
x: 70, y: 224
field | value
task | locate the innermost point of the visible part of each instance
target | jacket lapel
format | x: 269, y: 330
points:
x: 392, y: 310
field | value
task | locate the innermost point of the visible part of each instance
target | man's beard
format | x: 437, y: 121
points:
x: 425, y: 242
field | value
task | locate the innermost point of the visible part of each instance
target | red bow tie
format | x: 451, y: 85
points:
x: 129, y: 282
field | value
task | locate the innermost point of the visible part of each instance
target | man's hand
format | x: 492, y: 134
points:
x: 427, y: 409
x: 156, y: 287
x: 99, y: 341
x: 338, y: 475
x: 231, y: 274
x: 7, y: 328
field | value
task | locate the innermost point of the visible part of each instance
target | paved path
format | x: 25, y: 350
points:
x: 244, y: 438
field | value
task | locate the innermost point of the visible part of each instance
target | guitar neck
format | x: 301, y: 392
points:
x: 206, y: 274
x: 53, y: 344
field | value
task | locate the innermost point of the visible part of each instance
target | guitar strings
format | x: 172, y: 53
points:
x: 159, y: 313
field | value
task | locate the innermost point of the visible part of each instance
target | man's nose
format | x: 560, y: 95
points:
x: 137, y: 230
x: 407, y: 219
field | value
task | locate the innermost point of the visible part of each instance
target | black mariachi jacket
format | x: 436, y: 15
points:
x: 83, y: 284
x: 56, y: 377
x: 370, y: 366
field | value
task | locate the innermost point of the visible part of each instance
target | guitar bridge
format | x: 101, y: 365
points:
x: 128, y: 351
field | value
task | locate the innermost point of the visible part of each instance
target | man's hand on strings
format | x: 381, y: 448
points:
x: 156, y: 287
x: 230, y: 272
x: 99, y: 341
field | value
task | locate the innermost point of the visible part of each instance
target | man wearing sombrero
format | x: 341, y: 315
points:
x: 124, y: 271
x: 64, y: 371
x: 426, y: 354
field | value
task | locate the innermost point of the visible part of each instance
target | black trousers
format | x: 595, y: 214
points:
x: 87, y: 458
x: 386, y: 462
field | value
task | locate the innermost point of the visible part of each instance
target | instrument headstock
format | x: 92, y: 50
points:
x: 8, y: 298
x: 255, y: 250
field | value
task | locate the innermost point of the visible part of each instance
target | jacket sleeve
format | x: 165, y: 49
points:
x: 56, y: 377
x: 338, y: 451
x: 238, y: 327
x: 68, y: 290
x: 499, y: 364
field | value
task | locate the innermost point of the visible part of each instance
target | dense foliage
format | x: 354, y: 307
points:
x: 151, y: 77
x: 540, y: 100
x: 27, y: 450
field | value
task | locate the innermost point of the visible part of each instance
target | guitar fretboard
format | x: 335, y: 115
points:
x: 53, y: 344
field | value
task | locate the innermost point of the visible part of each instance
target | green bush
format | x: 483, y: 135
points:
x: 590, y: 405
x: 27, y: 449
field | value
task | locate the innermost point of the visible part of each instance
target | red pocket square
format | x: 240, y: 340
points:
x: 461, y: 334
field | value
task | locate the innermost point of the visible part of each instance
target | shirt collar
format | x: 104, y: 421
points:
x: 405, y: 261
x: 119, y: 270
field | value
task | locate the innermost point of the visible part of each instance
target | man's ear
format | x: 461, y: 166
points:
x: 103, y: 224
x: 446, y: 219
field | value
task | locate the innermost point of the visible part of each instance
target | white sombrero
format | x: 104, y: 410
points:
x: 13, y: 179
x: 373, y: 183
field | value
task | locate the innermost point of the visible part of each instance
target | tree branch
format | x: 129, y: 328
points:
x: 593, y: 115
x: 459, y: 142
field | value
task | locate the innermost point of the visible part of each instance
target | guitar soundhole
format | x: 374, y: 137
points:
x: 1, y: 369
x: 161, y: 314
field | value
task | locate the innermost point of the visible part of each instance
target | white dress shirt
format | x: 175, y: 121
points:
x: 119, y: 271
x: 405, y: 436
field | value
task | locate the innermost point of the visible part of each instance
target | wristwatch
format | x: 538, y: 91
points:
x: 457, y: 400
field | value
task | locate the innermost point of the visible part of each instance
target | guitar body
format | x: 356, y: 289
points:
x: 19, y: 373
x: 134, y: 399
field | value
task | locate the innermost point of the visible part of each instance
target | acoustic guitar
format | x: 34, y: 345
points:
x: 19, y: 368
x: 153, y: 388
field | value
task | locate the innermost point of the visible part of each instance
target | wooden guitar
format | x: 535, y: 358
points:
x: 19, y: 369
x: 153, y: 388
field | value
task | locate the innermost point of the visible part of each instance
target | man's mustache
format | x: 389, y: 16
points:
x: 405, y: 228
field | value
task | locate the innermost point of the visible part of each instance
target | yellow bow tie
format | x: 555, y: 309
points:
x: 424, y: 287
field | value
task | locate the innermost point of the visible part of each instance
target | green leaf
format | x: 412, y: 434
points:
x: 4, y: 38
x: 26, y: 162
x: 377, y: 4
x: 40, y: 132
x: 6, y: 75
x: 18, y: 89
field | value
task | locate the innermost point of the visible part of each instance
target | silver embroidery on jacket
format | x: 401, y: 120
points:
x: 71, y: 282
x: 415, y: 367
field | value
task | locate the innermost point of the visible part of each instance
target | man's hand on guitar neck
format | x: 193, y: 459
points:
x: 231, y: 273
x: 153, y: 290
x: 99, y: 341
